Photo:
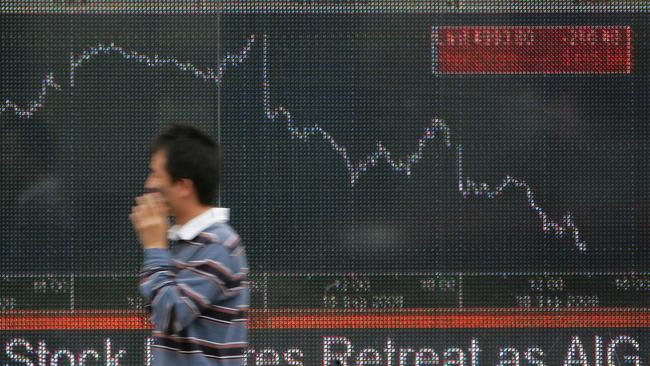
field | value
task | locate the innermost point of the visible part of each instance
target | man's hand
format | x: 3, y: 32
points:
x: 150, y: 220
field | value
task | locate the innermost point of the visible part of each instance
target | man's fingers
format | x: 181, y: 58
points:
x: 160, y: 205
x: 139, y: 200
x: 152, y: 200
x: 135, y: 221
x: 147, y: 214
x: 151, y: 210
x: 145, y: 205
x: 140, y: 213
x: 137, y: 213
x: 155, y: 203
x: 135, y: 218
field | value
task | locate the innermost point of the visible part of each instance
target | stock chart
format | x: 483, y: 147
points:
x: 415, y: 183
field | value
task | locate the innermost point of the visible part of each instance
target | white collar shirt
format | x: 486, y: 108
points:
x: 196, y: 225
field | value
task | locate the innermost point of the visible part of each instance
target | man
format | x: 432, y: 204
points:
x: 198, y: 291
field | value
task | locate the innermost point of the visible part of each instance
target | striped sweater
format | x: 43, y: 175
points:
x: 197, y: 294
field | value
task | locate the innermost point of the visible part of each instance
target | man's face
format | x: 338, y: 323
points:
x: 159, y: 179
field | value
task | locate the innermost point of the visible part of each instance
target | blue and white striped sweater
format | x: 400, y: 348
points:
x: 199, y: 297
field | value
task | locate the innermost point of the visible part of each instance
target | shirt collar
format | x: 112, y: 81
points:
x: 196, y: 225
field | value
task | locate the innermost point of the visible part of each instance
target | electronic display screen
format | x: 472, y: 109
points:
x: 415, y: 183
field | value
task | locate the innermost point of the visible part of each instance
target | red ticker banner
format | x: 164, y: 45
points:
x: 531, y: 50
x: 338, y: 319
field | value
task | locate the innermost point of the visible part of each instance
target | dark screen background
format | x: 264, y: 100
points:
x: 312, y: 223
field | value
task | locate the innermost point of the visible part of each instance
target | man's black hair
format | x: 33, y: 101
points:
x: 194, y: 155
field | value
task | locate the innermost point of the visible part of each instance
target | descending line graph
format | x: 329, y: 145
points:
x: 437, y: 131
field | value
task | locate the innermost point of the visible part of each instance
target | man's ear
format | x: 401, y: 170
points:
x: 186, y: 186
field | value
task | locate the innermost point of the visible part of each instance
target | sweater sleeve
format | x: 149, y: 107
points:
x: 177, y: 298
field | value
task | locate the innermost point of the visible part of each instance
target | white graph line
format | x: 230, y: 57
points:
x: 437, y: 130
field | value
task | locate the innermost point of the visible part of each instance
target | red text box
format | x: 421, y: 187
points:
x: 531, y: 49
